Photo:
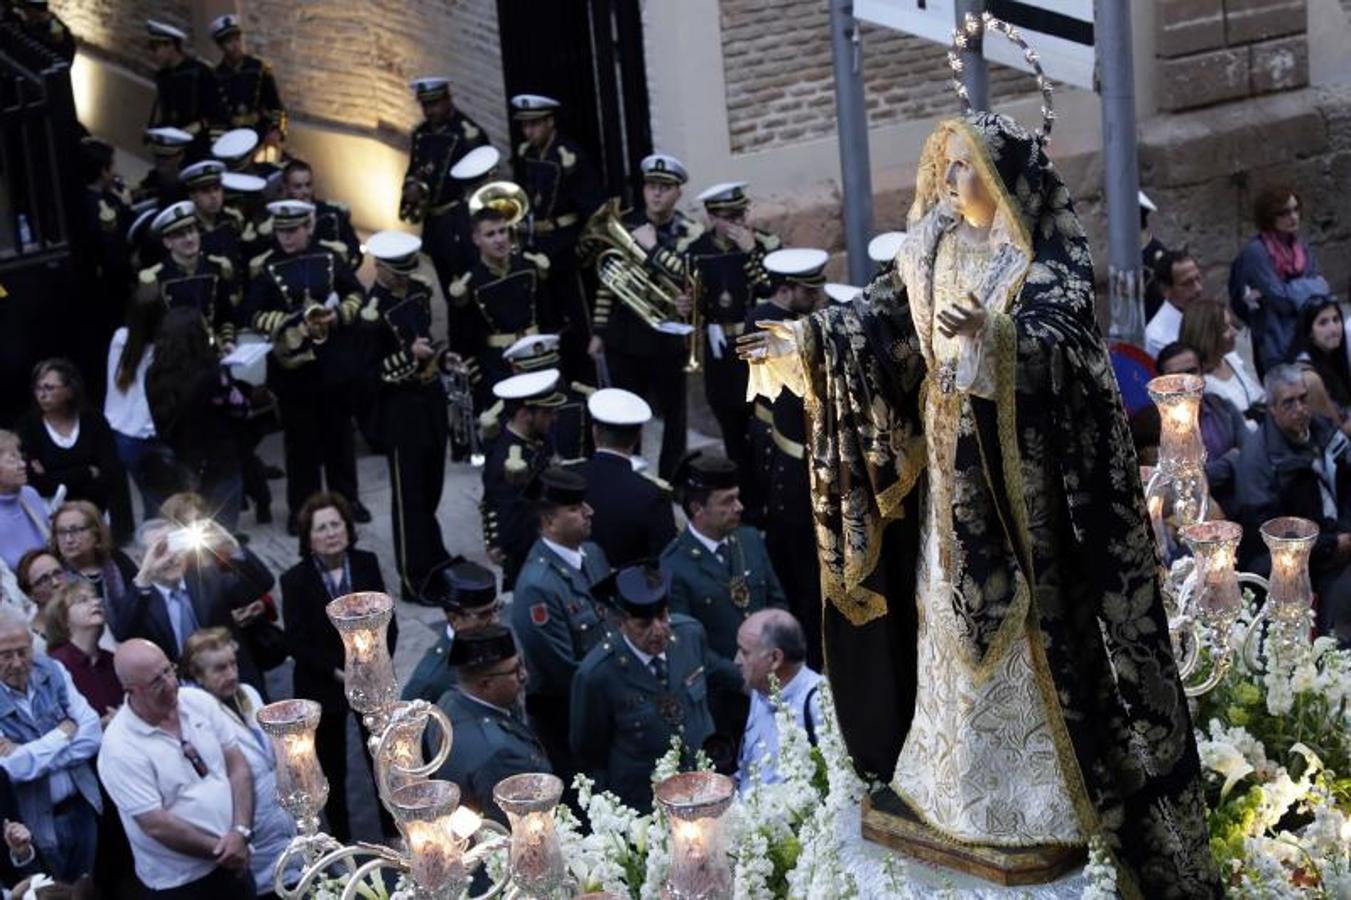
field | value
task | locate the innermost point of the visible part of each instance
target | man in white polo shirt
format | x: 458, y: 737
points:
x: 182, y: 786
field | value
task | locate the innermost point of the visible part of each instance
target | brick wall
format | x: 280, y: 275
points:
x: 1211, y: 51
x: 116, y: 28
x: 343, y: 64
x: 780, y: 84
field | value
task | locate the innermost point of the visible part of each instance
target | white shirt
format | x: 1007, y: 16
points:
x: 144, y: 769
x: 714, y: 547
x: 1163, y: 329
x: 571, y: 557
x: 761, y: 741
x: 128, y: 412
x: 64, y: 441
x: 644, y: 658
x: 1243, y: 390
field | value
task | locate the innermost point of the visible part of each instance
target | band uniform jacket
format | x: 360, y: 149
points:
x: 555, y: 618
x: 623, y: 717
x: 281, y: 288
x: 490, y: 744
x: 431, y: 677
x: 399, y: 321
x: 229, y: 236
x: 560, y: 183
x: 721, y: 595
x: 188, y: 96
x: 490, y: 309
x: 249, y: 92
x: 620, y: 327
x: 435, y: 149
x: 332, y: 225
x: 108, y: 217
x: 311, y: 638
x: 631, y: 511
x: 731, y: 282
x: 211, y: 288
x: 761, y: 438
x: 509, y: 521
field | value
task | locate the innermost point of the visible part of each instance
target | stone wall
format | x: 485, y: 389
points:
x: 1211, y: 51
x: 781, y: 87
x: 336, y: 64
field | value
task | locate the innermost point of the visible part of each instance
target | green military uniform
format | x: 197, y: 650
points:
x: 490, y: 744
x: 722, y: 594
x: 623, y: 716
x: 432, y: 676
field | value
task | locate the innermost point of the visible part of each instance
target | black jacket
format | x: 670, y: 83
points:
x: 215, y: 589
x: 310, y: 636
x: 632, y: 517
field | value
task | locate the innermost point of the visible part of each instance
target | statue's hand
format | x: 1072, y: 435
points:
x: 773, y: 340
x: 967, y: 320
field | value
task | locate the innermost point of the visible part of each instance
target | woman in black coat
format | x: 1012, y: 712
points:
x: 329, y: 567
x: 68, y: 443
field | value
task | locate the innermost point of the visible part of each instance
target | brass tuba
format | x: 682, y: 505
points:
x: 621, y: 265
x: 506, y: 197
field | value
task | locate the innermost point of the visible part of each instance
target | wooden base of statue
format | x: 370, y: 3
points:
x: 889, y: 821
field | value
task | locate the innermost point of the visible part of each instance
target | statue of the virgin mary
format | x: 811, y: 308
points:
x: 994, y: 630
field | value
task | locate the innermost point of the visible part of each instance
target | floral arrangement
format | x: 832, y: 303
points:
x: 1276, y: 750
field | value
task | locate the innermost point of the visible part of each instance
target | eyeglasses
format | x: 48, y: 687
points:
x: 198, y: 764
x: 73, y: 530
x: 48, y: 388
x: 55, y: 576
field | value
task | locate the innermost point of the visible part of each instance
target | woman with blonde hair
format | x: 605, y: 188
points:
x: 1208, y: 328
x: 209, y: 661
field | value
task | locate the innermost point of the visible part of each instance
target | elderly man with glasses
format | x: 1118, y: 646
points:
x: 171, y: 763
x: 48, y: 736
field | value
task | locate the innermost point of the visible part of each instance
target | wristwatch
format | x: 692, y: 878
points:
x: 244, y: 831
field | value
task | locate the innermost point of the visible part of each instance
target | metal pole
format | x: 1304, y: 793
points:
x: 852, y: 127
x: 975, y: 70
x: 1121, y: 170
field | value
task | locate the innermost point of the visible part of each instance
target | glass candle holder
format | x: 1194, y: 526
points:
x: 424, y: 813
x: 1177, y: 487
x: 398, y: 750
x: 694, y: 803
x: 536, y: 856
x: 361, y: 620
x: 1290, y: 596
x: 302, y: 789
x: 1215, y: 600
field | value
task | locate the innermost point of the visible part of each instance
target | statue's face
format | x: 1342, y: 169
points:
x: 965, y: 190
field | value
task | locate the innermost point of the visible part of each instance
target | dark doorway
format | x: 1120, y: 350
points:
x: 588, y: 54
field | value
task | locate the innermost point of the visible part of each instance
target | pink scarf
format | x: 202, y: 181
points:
x: 1286, y: 252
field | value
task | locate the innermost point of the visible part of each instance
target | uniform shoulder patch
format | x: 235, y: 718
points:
x: 459, y: 287
x: 662, y: 484
x: 515, y: 468
x: 691, y: 232
x: 522, y: 147
x: 470, y: 130
x: 566, y: 157
x: 338, y: 248
x: 265, y: 226
x: 151, y: 275
x: 256, y: 264
x: 768, y: 241
x: 227, y: 268
x: 539, y: 614
x: 539, y: 260
x: 233, y: 214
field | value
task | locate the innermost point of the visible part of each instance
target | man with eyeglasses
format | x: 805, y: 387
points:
x: 468, y: 593
x: 48, y: 736
x: 492, y: 739
x: 181, y: 784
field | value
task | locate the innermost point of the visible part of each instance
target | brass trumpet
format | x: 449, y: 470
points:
x: 695, y: 286
x: 621, y: 265
x: 507, y: 197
